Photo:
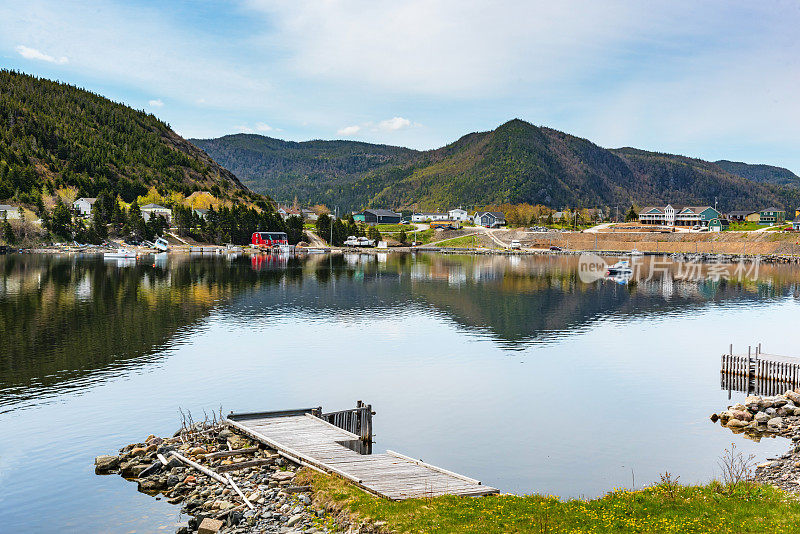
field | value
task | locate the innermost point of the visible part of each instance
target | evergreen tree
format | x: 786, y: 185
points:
x: 323, y: 226
x: 61, y: 222
x: 8, y: 231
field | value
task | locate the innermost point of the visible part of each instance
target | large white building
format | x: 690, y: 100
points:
x: 676, y: 215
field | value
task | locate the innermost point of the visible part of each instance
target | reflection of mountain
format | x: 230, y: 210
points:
x: 61, y: 319
x: 517, y: 300
x: 64, y: 319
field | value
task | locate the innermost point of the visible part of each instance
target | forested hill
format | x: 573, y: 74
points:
x: 517, y: 162
x: 767, y: 174
x: 54, y: 135
x: 309, y: 170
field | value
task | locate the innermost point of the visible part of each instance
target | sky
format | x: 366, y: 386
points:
x: 712, y: 79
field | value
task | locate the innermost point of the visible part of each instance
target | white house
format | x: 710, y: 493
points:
x: 151, y: 210
x: 9, y: 212
x: 429, y: 216
x: 84, y: 205
x: 458, y: 215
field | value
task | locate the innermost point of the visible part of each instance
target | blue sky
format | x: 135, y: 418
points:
x: 708, y: 79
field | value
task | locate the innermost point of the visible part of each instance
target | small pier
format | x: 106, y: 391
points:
x: 758, y: 373
x: 341, y: 443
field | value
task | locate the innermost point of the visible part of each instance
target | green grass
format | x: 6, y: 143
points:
x: 467, y: 241
x: 744, y: 226
x: 666, y: 508
x: 424, y: 236
x: 395, y: 227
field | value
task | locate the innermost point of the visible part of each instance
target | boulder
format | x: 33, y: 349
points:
x: 725, y: 416
x: 138, y: 451
x: 793, y: 396
x: 735, y: 423
x: 294, y: 520
x: 738, y: 407
x: 779, y: 401
x: 761, y: 417
x: 209, y: 526
x: 775, y: 423
x: 131, y: 469
x: 197, y: 451
x: 752, y: 401
x: 150, y: 485
x: 105, y: 463
x: 741, y: 415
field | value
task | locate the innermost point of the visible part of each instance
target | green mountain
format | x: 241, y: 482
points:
x: 517, y: 162
x: 310, y: 170
x: 54, y: 135
x: 767, y: 174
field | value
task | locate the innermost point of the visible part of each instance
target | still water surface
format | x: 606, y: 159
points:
x: 509, y: 370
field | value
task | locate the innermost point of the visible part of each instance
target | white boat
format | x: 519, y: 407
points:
x: 120, y: 253
x: 621, y: 267
x: 635, y: 252
x: 161, y: 244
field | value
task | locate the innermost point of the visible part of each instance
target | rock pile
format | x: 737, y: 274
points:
x: 265, y: 478
x: 777, y: 416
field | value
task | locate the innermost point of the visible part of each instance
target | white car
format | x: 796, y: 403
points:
x: 516, y: 245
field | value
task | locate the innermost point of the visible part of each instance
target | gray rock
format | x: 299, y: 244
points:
x: 761, y: 417
x: 775, y: 423
x: 305, y: 499
x: 294, y: 520
x: 105, y: 463
x: 770, y: 411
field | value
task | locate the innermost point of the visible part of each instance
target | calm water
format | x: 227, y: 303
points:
x: 509, y: 370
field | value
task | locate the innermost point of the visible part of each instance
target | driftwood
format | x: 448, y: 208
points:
x: 234, y: 452
x: 249, y: 463
x: 200, y: 468
x: 161, y: 459
x: 236, y: 488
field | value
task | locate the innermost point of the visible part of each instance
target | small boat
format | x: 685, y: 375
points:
x: 120, y: 253
x: 161, y: 244
x: 621, y: 267
x: 635, y: 252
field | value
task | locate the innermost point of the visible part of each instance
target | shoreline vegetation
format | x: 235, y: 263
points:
x: 230, y: 484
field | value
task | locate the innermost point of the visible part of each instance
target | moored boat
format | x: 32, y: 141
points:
x: 120, y: 253
x: 621, y: 267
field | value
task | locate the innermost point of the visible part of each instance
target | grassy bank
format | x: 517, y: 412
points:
x: 668, y: 507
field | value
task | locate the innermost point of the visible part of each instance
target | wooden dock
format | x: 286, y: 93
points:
x: 758, y: 373
x: 306, y: 437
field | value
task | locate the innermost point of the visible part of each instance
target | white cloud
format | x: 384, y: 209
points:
x: 393, y: 124
x: 157, y: 103
x: 349, y: 130
x: 263, y: 127
x: 32, y: 53
x: 243, y: 128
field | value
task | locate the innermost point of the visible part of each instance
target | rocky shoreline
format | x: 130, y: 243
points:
x: 270, y: 483
x: 777, y: 416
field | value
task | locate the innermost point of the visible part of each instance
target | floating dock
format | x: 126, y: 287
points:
x: 340, y: 443
x: 758, y: 373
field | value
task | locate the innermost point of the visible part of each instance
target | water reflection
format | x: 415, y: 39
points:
x: 62, y: 318
x: 582, y: 382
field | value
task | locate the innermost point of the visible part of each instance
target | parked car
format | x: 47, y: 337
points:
x: 555, y: 248
x: 515, y: 244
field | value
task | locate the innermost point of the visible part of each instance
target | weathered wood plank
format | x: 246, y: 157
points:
x: 309, y: 440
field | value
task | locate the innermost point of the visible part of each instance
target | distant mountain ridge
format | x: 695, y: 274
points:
x: 767, y: 174
x: 516, y: 162
x: 54, y: 135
